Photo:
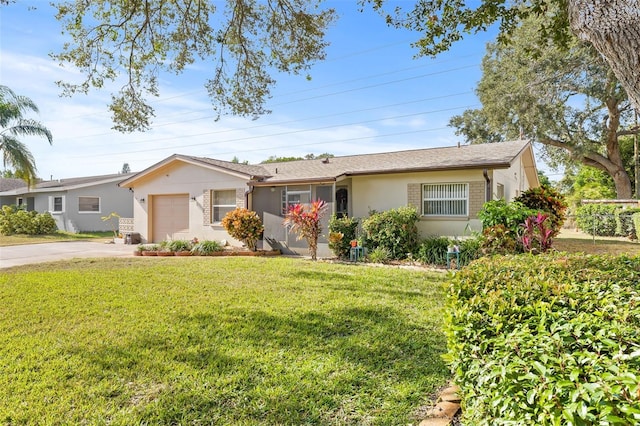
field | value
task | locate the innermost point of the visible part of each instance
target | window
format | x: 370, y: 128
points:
x: 89, y: 204
x: 499, y: 191
x: 20, y: 202
x: 223, y: 202
x: 56, y: 204
x: 445, y: 199
x: 291, y: 198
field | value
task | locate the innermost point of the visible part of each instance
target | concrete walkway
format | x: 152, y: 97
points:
x: 47, y: 252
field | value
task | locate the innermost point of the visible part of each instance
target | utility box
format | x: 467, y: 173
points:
x: 132, y: 238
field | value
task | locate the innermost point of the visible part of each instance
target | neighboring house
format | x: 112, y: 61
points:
x: 77, y: 204
x: 183, y: 197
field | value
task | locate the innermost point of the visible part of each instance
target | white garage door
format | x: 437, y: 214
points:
x: 170, y: 216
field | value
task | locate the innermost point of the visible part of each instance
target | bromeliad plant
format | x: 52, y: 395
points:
x: 307, y: 223
x: 536, y: 236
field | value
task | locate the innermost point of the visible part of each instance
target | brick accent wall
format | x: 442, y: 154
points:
x: 414, y: 196
x: 240, y: 198
x: 206, y: 207
x: 476, y: 198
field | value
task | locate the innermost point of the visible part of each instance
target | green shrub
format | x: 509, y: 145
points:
x: 549, y: 339
x: 433, y: 251
x: 244, y: 225
x: 379, y: 255
x: 395, y: 230
x: 549, y: 201
x: 470, y: 250
x: 636, y: 223
x: 624, y: 222
x: 205, y: 248
x: 346, y: 226
x: 180, y: 245
x: 509, y: 215
x: 17, y: 221
x: 597, y: 219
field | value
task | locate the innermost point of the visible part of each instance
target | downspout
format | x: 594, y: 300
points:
x: 246, y: 196
x: 487, y: 186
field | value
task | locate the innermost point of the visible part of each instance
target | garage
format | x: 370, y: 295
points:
x: 170, y: 215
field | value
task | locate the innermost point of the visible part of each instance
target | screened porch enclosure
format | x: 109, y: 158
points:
x: 272, y: 204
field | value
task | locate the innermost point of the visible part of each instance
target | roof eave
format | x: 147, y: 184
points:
x: 501, y: 165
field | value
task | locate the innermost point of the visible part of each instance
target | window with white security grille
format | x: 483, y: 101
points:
x: 445, y: 199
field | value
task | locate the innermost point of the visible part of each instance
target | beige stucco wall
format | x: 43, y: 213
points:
x: 183, y: 178
x: 514, y: 180
x: 389, y: 191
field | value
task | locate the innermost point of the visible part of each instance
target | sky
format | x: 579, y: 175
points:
x: 370, y: 95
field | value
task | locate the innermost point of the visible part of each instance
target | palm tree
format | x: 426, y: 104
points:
x: 13, y: 125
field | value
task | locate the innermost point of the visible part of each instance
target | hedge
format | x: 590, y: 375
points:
x: 597, y: 219
x: 547, y: 340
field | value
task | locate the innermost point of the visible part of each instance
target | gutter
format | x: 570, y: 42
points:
x: 487, y: 187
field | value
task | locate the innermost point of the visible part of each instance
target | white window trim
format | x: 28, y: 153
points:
x: 90, y: 212
x: 51, y: 204
x: 424, y: 199
x: 213, y: 206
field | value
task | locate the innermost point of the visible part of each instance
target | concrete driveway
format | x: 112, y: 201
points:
x: 47, y: 252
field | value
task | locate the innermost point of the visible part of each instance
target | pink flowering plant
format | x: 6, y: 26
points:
x: 536, y: 236
x: 307, y: 223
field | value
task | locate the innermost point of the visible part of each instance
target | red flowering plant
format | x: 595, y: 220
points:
x: 307, y: 223
x: 244, y: 225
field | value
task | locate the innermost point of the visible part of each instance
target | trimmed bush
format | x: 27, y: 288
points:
x: 17, y: 221
x: 395, y: 230
x: 597, y: 219
x: 346, y: 226
x: 549, y: 339
x: 244, y: 225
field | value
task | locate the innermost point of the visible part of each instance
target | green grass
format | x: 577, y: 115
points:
x: 233, y: 341
x: 600, y: 246
x: 13, y: 240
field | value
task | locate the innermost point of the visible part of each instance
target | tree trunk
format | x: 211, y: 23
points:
x: 616, y: 171
x: 612, y: 26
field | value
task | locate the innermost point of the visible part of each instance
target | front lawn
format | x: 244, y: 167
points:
x: 241, y: 341
x: 19, y: 239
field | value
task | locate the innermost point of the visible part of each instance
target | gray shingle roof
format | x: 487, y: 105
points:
x: 448, y: 158
x: 7, y: 184
x: 248, y: 169
x: 85, y: 180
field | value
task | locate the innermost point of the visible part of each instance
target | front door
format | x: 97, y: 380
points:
x: 342, y: 202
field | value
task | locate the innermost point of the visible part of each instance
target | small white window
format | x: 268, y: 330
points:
x: 20, y: 202
x: 222, y: 203
x: 445, y: 199
x: 89, y: 204
x: 499, y: 191
x: 56, y: 204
